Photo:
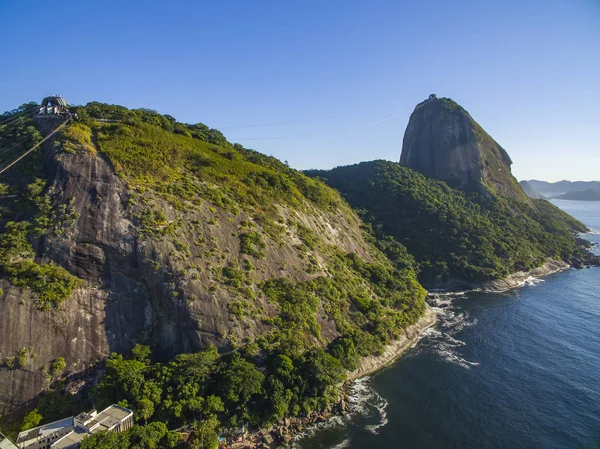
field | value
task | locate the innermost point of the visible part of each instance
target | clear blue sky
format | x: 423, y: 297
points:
x: 528, y: 71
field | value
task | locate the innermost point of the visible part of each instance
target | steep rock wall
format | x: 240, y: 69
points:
x: 443, y: 141
x: 142, y: 289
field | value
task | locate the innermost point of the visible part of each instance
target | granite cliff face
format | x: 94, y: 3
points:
x: 174, y: 269
x: 443, y: 141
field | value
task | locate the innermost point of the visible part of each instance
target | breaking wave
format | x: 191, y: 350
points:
x: 366, y: 402
x: 532, y: 281
x: 367, y: 410
x: 343, y: 445
x: 442, y: 339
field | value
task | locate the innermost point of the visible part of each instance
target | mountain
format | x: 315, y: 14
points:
x: 192, y: 279
x: 443, y: 141
x: 459, y: 238
x: 129, y: 227
x: 530, y: 190
x: 580, y: 195
x: 453, y: 203
x: 551, y: 189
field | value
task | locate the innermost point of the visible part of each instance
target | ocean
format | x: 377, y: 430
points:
x: 519, y: 369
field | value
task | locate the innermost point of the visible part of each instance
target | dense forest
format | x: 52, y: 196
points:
x: 454, y: 235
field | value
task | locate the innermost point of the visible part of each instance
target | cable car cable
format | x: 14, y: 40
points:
x: 6, y: 167
x: 4, y: 150
x: 19, y: 114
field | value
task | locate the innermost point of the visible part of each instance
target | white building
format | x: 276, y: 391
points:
x: 42, y: 437
x: 68, y: 433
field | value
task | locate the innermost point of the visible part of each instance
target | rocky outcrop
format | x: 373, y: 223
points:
x: 167, y: 292
x: 512, y: 281
x: 443, y: 141
x: 520, y: 278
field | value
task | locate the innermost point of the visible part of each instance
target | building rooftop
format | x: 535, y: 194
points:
x: 44, y: 430
x: 54, y: 99
x: 5, y: 443
x: 105, y: 420
x: 108, y: 418
x: 71, y: 439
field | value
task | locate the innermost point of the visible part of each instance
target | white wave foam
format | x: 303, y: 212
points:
x: 532, y: 281
x: 334, y: 422
x: 452, y: 357
x: 364, y: 399
x: 451, y: 320
x: 363, y: 402
x: 344, y: 444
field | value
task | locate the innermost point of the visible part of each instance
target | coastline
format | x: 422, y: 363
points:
x: 394, y: 350
x: 287, y: 430
x: 512, y: 281
x: 520, y: 278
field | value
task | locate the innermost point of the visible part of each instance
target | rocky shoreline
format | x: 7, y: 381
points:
x: 512, y: 281
x: 520, y: 278
x: 282, y: 433
x: 391, y: 353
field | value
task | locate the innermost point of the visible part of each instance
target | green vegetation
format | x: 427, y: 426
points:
x: 252, y: 244
x: 75, y: 137
x: 451, y: 233
x: 155, y: 435
x: 31, y: 420
x: 307, y: 236
x: 58, y: 366
x: 193, y: 388
x: 25, y: 354
x: 50, y: 283
x: 183, y: 162
x: 17, y: 134
x: 31, y: 214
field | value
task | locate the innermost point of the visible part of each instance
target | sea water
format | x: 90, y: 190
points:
x: 519, y: 369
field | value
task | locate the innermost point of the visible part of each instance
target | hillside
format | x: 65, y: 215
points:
x: 551, y: 189
x: 530, y: 190
x: 580, y: 195
x: 443, y: 141
x: 457, y: 237
x: 138, y: 229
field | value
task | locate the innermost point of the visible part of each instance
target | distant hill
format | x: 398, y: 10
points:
x: 584, y: 195
x: 531, y: 191
x: 552, y: 189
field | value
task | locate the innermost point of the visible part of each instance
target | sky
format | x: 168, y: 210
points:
x: 323, y: 83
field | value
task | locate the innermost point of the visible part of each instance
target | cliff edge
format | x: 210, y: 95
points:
x: 443, y: 141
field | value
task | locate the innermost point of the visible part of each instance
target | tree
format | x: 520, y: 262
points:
x: 141, y: 353
x: 106, y: 440
x: 239, y: 382
x: 154, y: 435
x: 145, y: 409
x: 31, y: 420
x: 205, y: 434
